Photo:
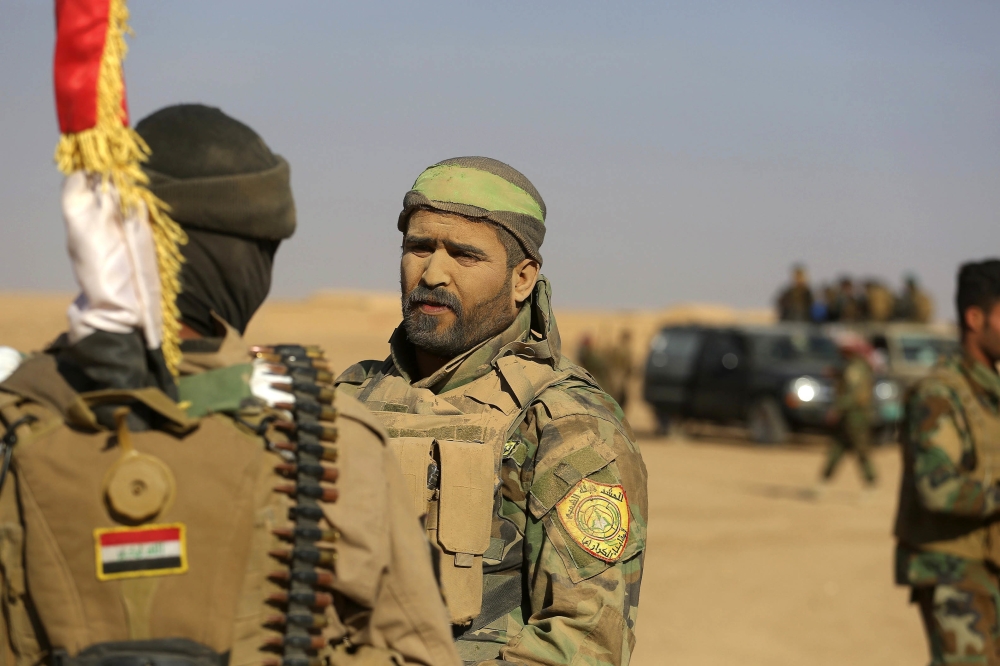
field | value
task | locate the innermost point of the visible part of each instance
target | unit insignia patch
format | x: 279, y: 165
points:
x: 132, y: 552
x: 596, y: 517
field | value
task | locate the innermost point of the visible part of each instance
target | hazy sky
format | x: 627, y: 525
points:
x: 686, y: 151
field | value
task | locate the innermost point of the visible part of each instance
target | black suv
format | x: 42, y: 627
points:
x: 772, y: 379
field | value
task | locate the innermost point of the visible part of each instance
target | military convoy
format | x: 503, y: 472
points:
x: 775, y: 380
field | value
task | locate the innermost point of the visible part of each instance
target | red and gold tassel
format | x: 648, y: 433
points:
x: 96, y: 136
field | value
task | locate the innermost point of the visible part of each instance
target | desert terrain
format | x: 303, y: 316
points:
x: 742, y: 566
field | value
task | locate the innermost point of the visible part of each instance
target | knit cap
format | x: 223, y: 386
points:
x: 217, y: 174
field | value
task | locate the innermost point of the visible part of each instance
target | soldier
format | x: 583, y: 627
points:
x: 796, y: 302
x: 529, y: 474
x: 852, y: 412
x: 879, y: 302
x: 620, y: 368
x: 844, y: 306
x: 593, y: 361
x: 136, y: 530
x: 914, y: 305
x: 948, y: 537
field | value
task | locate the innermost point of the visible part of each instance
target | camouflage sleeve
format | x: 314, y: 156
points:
x: 584, y: 541
x: 942, y: 455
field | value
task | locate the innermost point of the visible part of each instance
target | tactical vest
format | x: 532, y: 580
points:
x: 449, y: 446
x: 117, y: 543
x: 973, y: 538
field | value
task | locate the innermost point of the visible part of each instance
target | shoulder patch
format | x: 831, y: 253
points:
x: 596, y: 517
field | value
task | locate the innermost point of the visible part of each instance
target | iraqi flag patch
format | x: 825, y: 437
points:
x: 133, y: 552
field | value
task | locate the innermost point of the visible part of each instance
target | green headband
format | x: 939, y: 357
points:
x: 451, y: 183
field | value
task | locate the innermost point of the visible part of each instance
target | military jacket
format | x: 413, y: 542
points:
x: 949, y: 497
x: 855, y: 393
x: 65, y: 587
x: 564, y: 525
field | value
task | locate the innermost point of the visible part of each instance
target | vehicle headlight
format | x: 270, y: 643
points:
x: 806, y: 389
x: 886, y: 390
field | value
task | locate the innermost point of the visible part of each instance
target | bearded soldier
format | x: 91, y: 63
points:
x: 136, y: 530
x: 529, y: 475
x: 947, y: 529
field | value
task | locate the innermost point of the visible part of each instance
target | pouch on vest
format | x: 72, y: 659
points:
x: 416, y: 459
x: 465, y: 510
x: 460, y: 518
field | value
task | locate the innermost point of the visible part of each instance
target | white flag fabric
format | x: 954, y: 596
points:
x: 114, y: 261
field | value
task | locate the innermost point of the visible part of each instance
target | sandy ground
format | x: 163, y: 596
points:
x: 741, y: 568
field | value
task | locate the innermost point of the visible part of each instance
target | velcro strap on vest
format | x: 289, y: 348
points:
x: 501, y: 595
x: 553, y: 484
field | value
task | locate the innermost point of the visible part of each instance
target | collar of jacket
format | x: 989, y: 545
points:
x: 533, y: 334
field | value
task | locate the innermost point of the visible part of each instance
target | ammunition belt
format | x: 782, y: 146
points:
x: 309, y: 563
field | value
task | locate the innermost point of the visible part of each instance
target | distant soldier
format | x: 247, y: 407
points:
x: 948, y: 535
x: 823, y: 306
x: 853, y: 412
x: 914, y: 304
x: 593, y: 361
x: 619, y: 362
x: 796, y: 302
x: 844, y: 305
x: 879, y: 301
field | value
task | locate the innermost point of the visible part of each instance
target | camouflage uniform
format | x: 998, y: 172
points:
x: 620, y: 363
x: 948, y: 546
x: 854, y: 404
x: 795, y: 303
x: 554, y: 591
x: 914, y: 305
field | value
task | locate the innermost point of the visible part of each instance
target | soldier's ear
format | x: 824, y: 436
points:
x: 975, y: 318
x: 524, y: 277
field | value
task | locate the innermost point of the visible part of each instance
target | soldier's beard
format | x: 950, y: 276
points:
x: 479, y: 323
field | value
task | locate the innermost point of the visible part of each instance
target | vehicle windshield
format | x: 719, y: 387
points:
x: 926, y: 351
x: 673, y: 352
x: 796, y: 347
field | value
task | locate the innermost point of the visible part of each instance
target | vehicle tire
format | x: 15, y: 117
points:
x: 765, y: 422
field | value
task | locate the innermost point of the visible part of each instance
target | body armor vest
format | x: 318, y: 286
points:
x: 970, y: 537
x: 96, y: 528
x: 449, y: 446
